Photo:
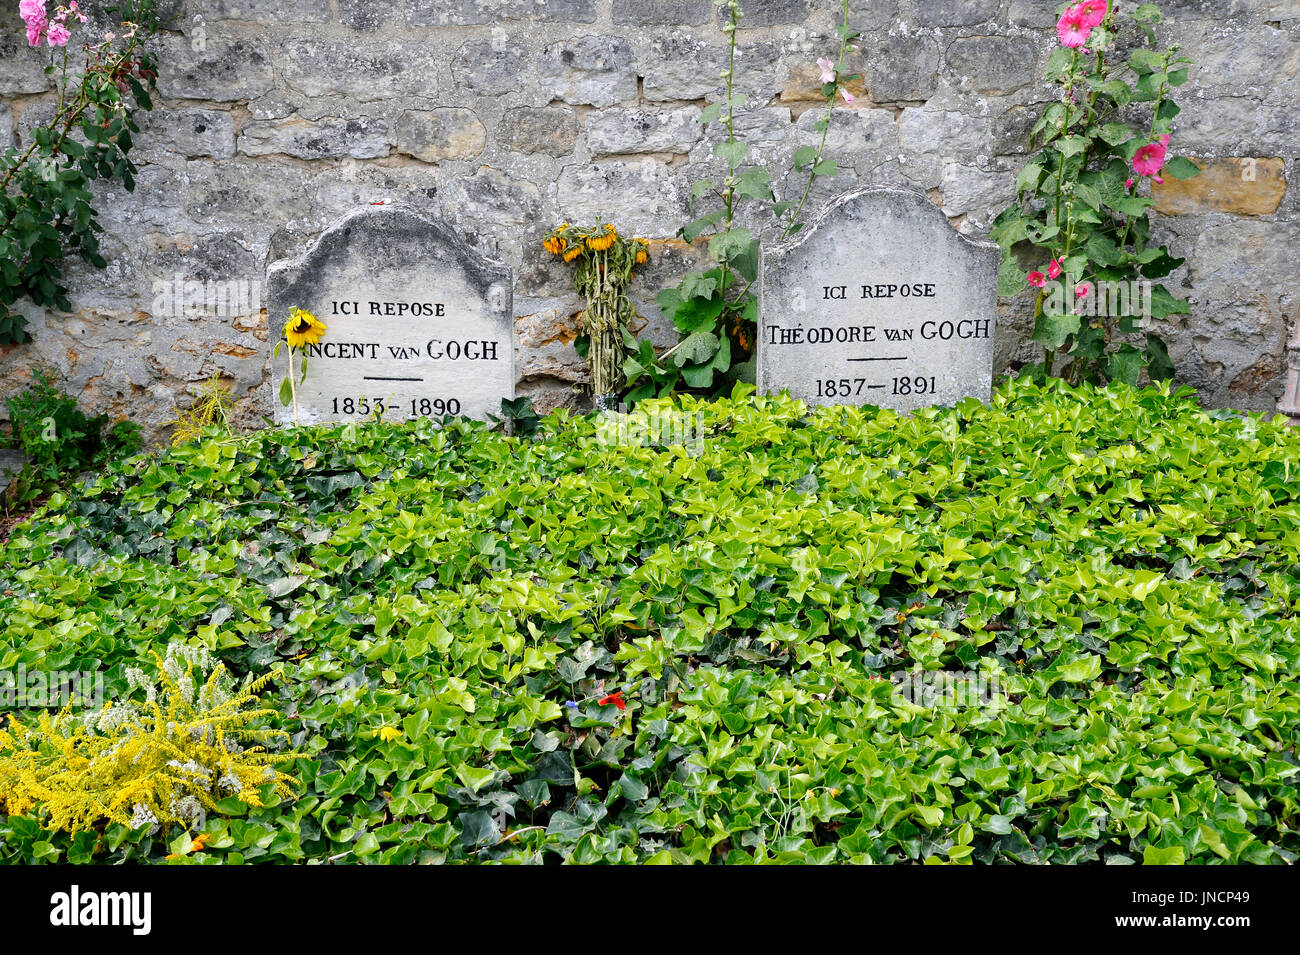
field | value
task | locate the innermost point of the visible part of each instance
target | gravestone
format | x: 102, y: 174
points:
x: 417, y: 324
x: 878, y: 301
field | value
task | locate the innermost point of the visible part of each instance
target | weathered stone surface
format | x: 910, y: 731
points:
x: 682, y: 67
x: 549, y: 130
x: 647, y: 197
x: 413, y: 320
x: 434, y: 135
x: 769, y: 13
x: 1245, y: 187
x: 372, y: 72
x: 6, y: 126
x: 930, y: 138
x: 661, y: 12
x: 11, y: 465
x: 590, y: 70
x: 364, y: 16
x: 186, y: 132
x: 1227, y: 124
x: 223, y: 70
x: 614, y: 131
x: 442, y: 13
x: 22, y: 69
x: 857, y: 138
x: 491, y: 66
x: 1012, y: 128
x: 491, y: 199
x: 874, y: 16
x: 976, y: 194
x: 952, y: 13
x: 269, y: 11
x: 326, y: 138
x: 994, y: 64
x: 878, y: 301
x: 902, y: 68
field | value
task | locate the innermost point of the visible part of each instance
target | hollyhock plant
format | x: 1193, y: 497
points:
x: 827, y: 67
x: 1078, y: 203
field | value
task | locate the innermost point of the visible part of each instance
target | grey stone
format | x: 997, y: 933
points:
x: 329, y: 138
x: 590, y: 70
x: 902, y: 68
x: 434, y: 135
x: 442, y: 13
x: 769, y: 13
x: 681, y: 67
x: 22, y: 68
x: 661, y: 12
x: 492, y: 200
x: 858, y: 139
x: 490, y: 66
x: 976, y: 194
x: 6, y: 126
x: 187, y: 132
x: 953, y: 13
x: 614, y: 131
x: 1012, y: 128
x: 1032, y: 13
x: 873, y: 16
x: 994, y: 64
x: 221, y: 70
x: 640, y: 195
x: 548, y: 130
x: 930, y: 138
x: 878, y: 297
x: 268, y: 11
x: 413, y: 319
x: 364, y: 16
x: 1227, y: 125
x: 367, y: 72
x: 11, y: 465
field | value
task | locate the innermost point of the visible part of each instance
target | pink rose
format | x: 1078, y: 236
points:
x: 57, y: 35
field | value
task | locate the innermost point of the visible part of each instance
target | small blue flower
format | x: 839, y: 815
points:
x: 571, y: 704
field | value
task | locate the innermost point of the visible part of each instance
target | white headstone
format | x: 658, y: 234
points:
x: 878, y: 301
x: 417, y: 324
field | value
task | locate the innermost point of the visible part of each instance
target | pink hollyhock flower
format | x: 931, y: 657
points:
x: 1091, y: 12
x: 1164, y: 140
x: 34, y: 30
x: 1148, y: 160
x: 1158, y: 180
x: 1054, y: 270
x: 31, y: 10
x: 57, y: 35
x: 1128, y: 183
x: 1036, y: 279
x: 1071, y: 30
x: 828, y: 70
x: 1082, y: 290
x: 848, y: 97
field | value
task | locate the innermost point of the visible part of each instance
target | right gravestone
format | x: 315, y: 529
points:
x: 879, y: 301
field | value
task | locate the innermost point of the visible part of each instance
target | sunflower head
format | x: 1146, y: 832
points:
x: 303, y: 328
x: 554, y: 244
x: 573, y: 253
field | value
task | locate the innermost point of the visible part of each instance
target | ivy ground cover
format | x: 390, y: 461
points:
x: 740, y: 649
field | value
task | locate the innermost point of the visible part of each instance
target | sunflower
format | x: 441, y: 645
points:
x: 303, y: 328
x: 599, y: 243
x: 573, y: 253
x: 554, y: 244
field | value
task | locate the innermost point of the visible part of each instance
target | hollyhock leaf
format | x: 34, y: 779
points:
x: 1181, y: 167
x: 1053, y: 331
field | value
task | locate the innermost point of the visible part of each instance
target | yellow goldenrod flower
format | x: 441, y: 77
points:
x: 303, y: 328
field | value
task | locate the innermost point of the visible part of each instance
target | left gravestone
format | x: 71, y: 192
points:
x: 417, y: 324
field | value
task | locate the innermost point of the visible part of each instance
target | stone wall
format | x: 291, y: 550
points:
x: 507, y: 116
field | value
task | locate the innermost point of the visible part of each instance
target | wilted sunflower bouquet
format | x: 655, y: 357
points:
x: 604, y: 262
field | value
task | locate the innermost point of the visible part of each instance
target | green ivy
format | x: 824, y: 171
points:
x: 1121, y: 563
